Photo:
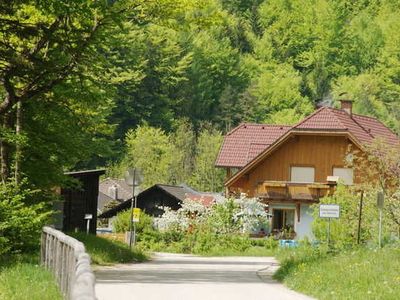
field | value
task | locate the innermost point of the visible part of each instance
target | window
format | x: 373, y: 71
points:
x: 345, y: 174
x: 302, y: 174
x: 283, y: 219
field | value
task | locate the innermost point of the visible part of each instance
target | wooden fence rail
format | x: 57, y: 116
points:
x: 67, y: 259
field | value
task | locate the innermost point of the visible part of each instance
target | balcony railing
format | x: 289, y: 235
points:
x: 283, y: 190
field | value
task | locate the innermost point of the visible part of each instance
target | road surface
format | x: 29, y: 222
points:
x: 187, y: 277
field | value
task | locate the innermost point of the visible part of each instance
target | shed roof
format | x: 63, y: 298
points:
x: 124, y: 190
x: 86, y: 173
x: 179, y: 192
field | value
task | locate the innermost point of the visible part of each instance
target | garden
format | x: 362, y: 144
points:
x: 222, y: 229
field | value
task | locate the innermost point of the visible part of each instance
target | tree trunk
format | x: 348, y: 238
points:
x: 18, y: 150
x: 5, y: 150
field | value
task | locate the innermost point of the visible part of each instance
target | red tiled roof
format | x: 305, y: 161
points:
x: 247, y: 141
x: 377, y: 129
x: 327, y: 118
x: 205, y: 200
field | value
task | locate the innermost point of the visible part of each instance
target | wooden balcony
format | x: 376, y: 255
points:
x: 290, y: 191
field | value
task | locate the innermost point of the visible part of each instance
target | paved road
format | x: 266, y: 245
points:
x: 187, y: 277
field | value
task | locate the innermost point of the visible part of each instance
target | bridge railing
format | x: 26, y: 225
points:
x: 67, y: 259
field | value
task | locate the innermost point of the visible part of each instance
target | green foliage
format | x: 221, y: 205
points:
x: 277, y: 89
x: 206, y: 177
x: 104, y: 251
x: 22, y: 278
x: 380, y: 172
x: 344, y: 229
x: 294, y: 259
x: 208, y: 231
x: 121, y: 222
x: 369, y: 274
x: 87, y: 73
x: 174, y: 158
x: 150, y: 150
x: 184, y: 141
x: 22, y: 217
x: 222, y: 219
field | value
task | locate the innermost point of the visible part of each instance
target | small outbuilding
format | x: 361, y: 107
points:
x: 155, y: 198
x: 81, y: 201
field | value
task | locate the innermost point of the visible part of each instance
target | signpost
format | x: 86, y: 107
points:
x: 379, y: 201
x: 329, y: 211
x: 359, y: 217
x: 88, y: 217
x: 133, y: 177
x: 135, y: 219
x: 136, y: 215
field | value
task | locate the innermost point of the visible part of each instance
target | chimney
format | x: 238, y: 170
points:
x: 346, y: 105
x: 113, y: 191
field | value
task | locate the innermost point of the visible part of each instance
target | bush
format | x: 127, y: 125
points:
x: 268, y: 243
x: 221, y: 229
x: 22, y: 217
x: 121, y: 222
x: 344, y: 230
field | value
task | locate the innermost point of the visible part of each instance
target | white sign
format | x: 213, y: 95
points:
x: 329, y: 211
x: 88, y: 216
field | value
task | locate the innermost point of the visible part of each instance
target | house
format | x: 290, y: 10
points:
x: 79, y: 201
x: 153, y: 199
x: 287, y: 167
x: 112, y: 191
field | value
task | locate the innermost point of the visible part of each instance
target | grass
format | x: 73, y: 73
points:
x: 251, y: 251
x: 22, y: 278
x: 105, y: 251
x: 357, y: 274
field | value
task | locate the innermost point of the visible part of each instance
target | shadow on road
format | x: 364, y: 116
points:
x: 185, y: 270
x: 175, y: 276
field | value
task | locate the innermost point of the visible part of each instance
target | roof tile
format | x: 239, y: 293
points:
x: 247, y: 141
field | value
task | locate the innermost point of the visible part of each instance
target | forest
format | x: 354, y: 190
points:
x: 156, y: 84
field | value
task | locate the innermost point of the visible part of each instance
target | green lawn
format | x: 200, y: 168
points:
x: 22, y: 278
x: 104, y: 251
x: 252, y: 251
x: 358, y: 274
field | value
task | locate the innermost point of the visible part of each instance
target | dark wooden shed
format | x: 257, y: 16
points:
x: 150, y: 200
x: 81, y: 200
x: 155, y: 198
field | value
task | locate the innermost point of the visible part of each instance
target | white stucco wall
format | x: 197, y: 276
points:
x: 303, y: 228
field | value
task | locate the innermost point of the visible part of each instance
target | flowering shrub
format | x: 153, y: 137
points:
x: 243, y: 215
x: 253, y: 215
x: 190, y: 214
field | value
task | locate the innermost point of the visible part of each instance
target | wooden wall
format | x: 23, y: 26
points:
x: 321, y: 152
x: 152, y: 199
x: 80, y: 201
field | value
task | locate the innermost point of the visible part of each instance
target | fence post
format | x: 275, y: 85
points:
x: 67, y: 259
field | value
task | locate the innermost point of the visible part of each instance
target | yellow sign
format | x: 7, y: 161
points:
x: 136, y: 214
